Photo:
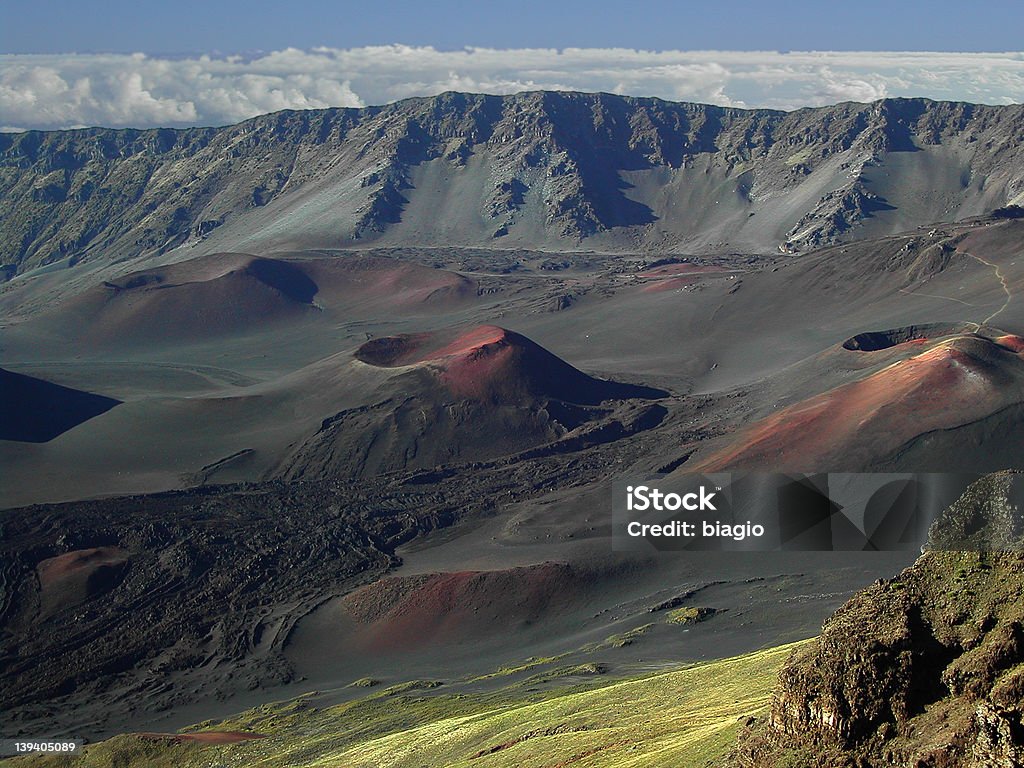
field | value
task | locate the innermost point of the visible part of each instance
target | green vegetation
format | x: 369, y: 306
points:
x: 530, y: 663
x: 412, y: 685
x: 799, y: 157
x: 690, y: 615
x: 626, y: 638
x: 364, y: 682
x: 687, y: 717
x: 576, y: 670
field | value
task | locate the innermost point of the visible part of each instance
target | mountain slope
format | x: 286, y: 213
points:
x: 571, y: 716
x: 540, y: 170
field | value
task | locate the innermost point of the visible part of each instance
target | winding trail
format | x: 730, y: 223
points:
x: 996, y: 269
x: 1002, y: 281
x: 936, y: 296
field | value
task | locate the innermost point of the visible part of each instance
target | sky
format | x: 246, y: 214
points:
x: 146, y: 63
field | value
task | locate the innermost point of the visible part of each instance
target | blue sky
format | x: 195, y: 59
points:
x: 180, y: 63
x: 187, y: 26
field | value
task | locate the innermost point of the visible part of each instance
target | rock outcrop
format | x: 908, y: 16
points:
x: 926, y: 669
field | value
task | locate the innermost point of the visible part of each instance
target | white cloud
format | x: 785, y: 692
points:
x: 67, y: 90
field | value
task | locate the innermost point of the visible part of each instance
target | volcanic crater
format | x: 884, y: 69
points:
x: 491, y: 363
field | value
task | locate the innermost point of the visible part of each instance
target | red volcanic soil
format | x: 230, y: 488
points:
x: 197, y: 299
x: 71, y: 564
x: 393, y: 284
x: 204, y: 737
x: 410, y: 349
x: 74, y: 577
x: 227, y: 293
x: 669, y: 284
x: 403, y: 612
x: 1011, y: 342
x: 491, y: 363
x: 953, y: 383
x: 670, y: 277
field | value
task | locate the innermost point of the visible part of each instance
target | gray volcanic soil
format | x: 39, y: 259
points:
x: 730, y: 341
x: 157, y: 572
x: 245, y: 592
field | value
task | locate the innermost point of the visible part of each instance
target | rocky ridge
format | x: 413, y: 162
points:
x: 539, y: 169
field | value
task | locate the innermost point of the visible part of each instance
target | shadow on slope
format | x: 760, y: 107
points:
x: 37, y: 411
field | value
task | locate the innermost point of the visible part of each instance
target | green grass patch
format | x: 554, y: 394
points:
x: 689, y: 615
x: 687, y: 717
x: 799, y: 157
x: 531, y: 663
x: 626, y: 638
x: 364, y: 682
x: 412, y: 685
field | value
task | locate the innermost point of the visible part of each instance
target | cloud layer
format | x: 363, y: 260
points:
x: 116, y: 90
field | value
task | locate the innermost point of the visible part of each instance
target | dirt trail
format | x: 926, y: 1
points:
x: 937, y: 296
x: 1002, y: 281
